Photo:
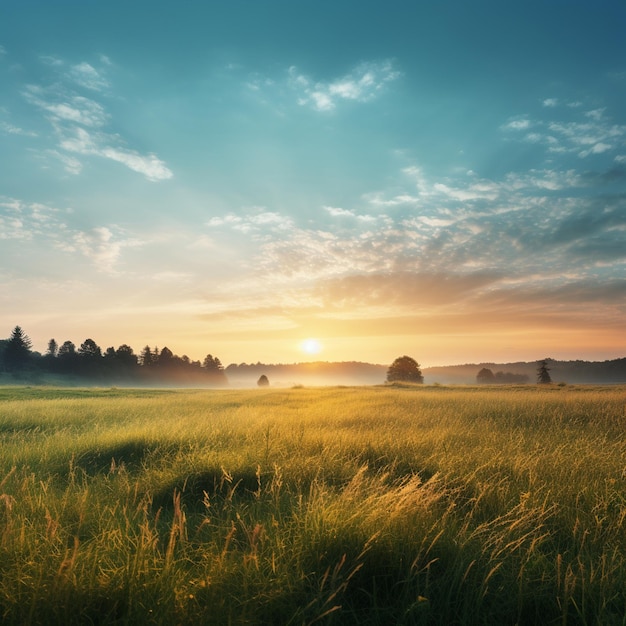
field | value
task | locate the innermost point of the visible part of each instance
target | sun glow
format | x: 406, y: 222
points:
x: 311, y: 346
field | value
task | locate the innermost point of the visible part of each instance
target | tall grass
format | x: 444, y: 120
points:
x: 381, y: 505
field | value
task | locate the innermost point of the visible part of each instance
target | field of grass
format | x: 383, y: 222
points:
x: 373, y: 505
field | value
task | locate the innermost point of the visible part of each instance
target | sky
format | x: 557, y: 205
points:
x: 346, y: 180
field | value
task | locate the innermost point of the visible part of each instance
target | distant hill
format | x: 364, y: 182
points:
x: 601, y: 372
x: 316, y: 373
x: 358, y: 373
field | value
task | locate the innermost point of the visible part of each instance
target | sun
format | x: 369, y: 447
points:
x: 311, y: 346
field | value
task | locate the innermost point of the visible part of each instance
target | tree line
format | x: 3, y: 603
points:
x: 407, y: 369
x: 89, y: 362
x: 487, y: 377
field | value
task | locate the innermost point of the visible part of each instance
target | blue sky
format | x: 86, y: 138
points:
x: 446, y: 180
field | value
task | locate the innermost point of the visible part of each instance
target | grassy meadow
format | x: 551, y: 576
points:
x: 365, y: 505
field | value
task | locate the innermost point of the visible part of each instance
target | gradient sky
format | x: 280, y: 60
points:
x: 440, y: 179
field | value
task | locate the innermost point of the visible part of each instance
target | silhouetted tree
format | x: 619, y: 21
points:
x: 17, y: 350
x: 213, y: 367
x: 543, y: 373
x: 90, y: 358
x: 147, y: 358
x: 90, y: 350
x: 485, y: 376
x: 53, y: 349
x: 165, y: 358
x: 405, y: 369
x: 125, y: 355
x: 49, y: 359
x: 120, y: 363
x: 67, y: 357
x: 263, y: 381
x: 212, y: 364
x: 66, y: 349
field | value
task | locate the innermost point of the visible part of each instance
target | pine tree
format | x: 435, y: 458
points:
x: 17, y: 352
x: 543, y: 373
x: 146, y: 357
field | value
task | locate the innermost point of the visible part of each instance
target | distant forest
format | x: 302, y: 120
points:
x: 570, y: 372
x: 88, y: 364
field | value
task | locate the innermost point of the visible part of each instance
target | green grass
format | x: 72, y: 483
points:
x: 372, y: 505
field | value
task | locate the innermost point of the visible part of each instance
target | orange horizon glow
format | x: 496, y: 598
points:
x: 372, y: 341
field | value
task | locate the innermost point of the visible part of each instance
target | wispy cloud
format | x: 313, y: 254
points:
x: 64, y: 107
x: 256, y: 222
x: 20, y: 220
x: 80, y: 122
x: 9, y: 129
x: 517, y: 124
x: 50, y: 229
x: 87, y: 143
x: 71, y: 164
x: 591, y: 134
x: 149, y: 165
x: 362, y: 84
x: 87, y: 76
x: 347, y: 213
x: 13, y: 228
x: 99, y: 245
x: 52, y: 61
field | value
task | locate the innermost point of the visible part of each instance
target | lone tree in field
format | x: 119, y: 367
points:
x: 485, y: 377
x: 543, y: 373
x: 263, y: 381
x: 405, y: 369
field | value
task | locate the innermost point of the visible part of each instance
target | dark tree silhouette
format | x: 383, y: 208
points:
x: 90, y: 350
x: 147, y: 358
x: 17, y: 350
x: 152, y: 366
x: 67, y: 357
x: 125, y: 356
x: 485, y: 376
x: 50, y: 361
x: 90, y: 358
x: 165, y: 358
x: 120, y: 363
x: 53, y: 349
x: 213, y: 367
x: 212, y: 364
x: 66, y: 349
x: 263, y: 381
x: 543, y: 373
x: 405, y: 369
